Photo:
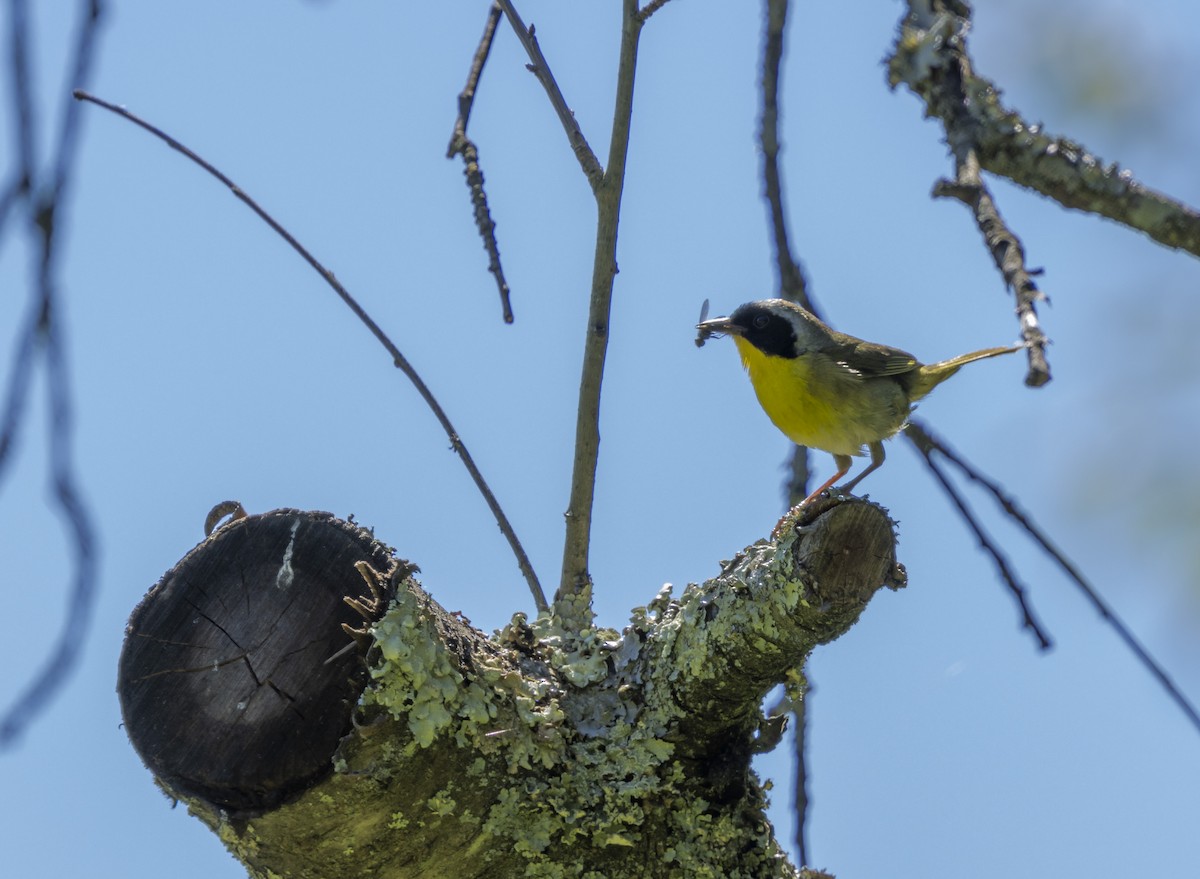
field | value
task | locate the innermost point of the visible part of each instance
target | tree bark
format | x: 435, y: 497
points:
x: 540, y: 751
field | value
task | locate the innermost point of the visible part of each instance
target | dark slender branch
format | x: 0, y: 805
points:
x: 397, y: 358
x: 925, y: 445
x: 466, y: 98
x: 1010, y: 506
x: 791, y: 274
x: 1008, y: 254
x: 22, y: 89
x: 650, y: 8
x: 460, y: 144
x: 541, y: 69
x: 576, y: 581
x: 792, y: 283
x: 43, y: 334
x: 800, y: 797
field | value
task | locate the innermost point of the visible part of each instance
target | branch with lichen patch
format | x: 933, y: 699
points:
x: 549, y: 750
x: 931, y: 58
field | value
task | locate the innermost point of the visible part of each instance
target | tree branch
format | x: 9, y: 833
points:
x: 1008, y: 255
x: 576, y: 580
x: 540, y: 68
x: 398, y: 359
x: 792, y: 282
x: 460, y: 144
x: 931, y: 58
x: 543, y: 749
x: 924, y: 439
x: 925, y: 445
x: 43, y: 201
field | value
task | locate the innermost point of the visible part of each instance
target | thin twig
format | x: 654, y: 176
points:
x: 1008, y: 254
x: 462, y: 145
x: 792, y: 283
x: 397, y: 358
x: 800, y: 803
x: 791, y: 274
x: 926, y: 446
x: 539, y: 67
x: 1010, y: 506
x: 650, y: 8
x: 43, y: 334
x: 576, y: 580
x: 466, y: 98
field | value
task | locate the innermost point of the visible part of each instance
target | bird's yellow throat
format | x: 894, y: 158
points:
x: 807, y: 397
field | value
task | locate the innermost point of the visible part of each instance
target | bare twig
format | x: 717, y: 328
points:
x: 575, y: 579
x: 650, y: 8
x: 43, y: 335
x: 791, y: 274
x: 1008, y: 255
x: 925, y: 444
x: 466, y: 98
x: 539, y: 67
x: 397, y: 358
x: 460, y: 144
x: 800, y: 797
x: 792, y: 283
x: 1010, y: 506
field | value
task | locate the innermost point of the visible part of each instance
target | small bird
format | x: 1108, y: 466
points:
x: 825, y: 389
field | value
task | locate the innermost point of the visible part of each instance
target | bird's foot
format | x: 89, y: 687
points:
x: 806, y: 512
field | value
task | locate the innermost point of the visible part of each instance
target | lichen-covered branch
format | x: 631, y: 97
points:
x: 931, y: 58
x: 544, y: 750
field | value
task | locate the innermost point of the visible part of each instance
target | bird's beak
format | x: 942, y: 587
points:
x: 718, y: 326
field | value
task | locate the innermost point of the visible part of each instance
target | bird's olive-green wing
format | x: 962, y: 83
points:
x: 871, y: 360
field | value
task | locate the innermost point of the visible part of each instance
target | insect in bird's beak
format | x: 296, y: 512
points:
x: 707, y: 328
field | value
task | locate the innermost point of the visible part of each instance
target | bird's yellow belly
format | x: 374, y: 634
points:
x: 817, y: 403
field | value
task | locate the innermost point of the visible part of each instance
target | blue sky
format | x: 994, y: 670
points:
x: 209, y: 362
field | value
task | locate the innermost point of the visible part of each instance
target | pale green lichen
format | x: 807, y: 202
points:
x: 421, y: 684
x: 584, y: 766
x: 442, y: 803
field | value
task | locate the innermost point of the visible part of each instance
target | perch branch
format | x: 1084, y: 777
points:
x: 398, y: 359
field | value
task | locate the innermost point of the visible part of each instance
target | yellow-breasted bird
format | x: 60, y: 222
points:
x: 825, y: 389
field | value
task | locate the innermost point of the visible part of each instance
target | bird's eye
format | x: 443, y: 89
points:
x: 761, y: 321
